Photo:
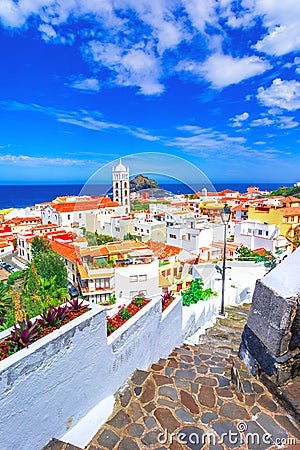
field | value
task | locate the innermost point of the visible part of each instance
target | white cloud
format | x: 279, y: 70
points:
x: 135, y: 36
x: 276, y: 120
x: 86, y: 84
x: 206, y: 141
x: 284, y: 94
x: 133, y: 67
x: 286, y: 122
x: 282, y: 20
x: 239, y: 119
x: 91, y: 120
x: 262, y: 122
x: 33, y: 161
x: 224, y: 70
x: 47, y: 31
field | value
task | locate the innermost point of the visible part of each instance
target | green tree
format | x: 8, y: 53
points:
x: 39, y: 245
x: 31, y: 280
x: 50, y: 264
x: 132, y: 237
x: 5, y: 301
x: 245, y: 254
x: 103, y: 238
x: 49, y: 293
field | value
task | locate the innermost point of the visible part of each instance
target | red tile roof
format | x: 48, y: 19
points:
x: 99, y: 203
x: 67, y: 251
x: 163, y: 251
x: 291, y: 211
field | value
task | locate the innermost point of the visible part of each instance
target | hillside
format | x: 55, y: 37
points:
x: 141, y: 182
x: 294, y: 191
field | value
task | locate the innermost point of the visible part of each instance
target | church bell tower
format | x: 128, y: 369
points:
x: 121, y: 186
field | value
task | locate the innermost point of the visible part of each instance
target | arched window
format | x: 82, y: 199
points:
x: 117, y: 193
x: 125, y: 192
x: 125, y: 185
x: 117, y: 185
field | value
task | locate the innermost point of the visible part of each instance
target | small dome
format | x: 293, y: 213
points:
x: 120, y: 168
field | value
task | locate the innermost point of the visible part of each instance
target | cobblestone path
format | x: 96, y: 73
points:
x: 187, y: 401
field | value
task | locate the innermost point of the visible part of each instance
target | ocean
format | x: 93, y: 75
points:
x: 17, y: 196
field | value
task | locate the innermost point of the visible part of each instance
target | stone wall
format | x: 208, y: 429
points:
x: 271, y: 338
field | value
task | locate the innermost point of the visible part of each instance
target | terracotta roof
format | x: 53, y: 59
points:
x: 291, y: 211
x: 20, y: 220
x: 65, y: 250
x: 240, y: 208
x: 103, y: 202
x: 290, y: 199
x: 4, y: 244
x: 45, y: 226
x: 113, y: 248
x: 227, y: 191
x: 163, y: 251
x: 230, y: 245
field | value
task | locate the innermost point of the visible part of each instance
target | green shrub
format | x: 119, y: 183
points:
x: 196, y: 293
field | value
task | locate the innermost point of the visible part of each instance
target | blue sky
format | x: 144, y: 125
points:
x: 214, y: 82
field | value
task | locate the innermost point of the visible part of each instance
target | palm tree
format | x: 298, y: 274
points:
x: 49, y: 293
x: 5, y: 301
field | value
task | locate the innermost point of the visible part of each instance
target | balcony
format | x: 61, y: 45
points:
x: 94, y: 270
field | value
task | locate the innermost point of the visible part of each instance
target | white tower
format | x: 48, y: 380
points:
x: 121, y: 187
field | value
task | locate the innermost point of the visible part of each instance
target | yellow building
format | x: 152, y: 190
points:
x: 286, y: 219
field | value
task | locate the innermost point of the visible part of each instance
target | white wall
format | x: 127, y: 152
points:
x: 50, y: 386
x: 124, y: 285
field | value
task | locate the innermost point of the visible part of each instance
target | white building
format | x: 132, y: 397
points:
x: 73, y: 214
x: 123, y: 268
x: 193, y: 235
x: 115, y: 226
x: 148, y: 228
x: 254, y: 235
x: 6, y: 248
x: 121, y: 186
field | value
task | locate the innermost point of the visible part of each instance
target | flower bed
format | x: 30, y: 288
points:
x: 125, y: 313
x: 166, y: 299
x: 28, y: 331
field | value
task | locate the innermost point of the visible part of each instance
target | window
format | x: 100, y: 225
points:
x: 133, y: 293
x: 133, y: 278
x: 143, y: 277
x: 69, y: 216
x: 79, y: 215
x: 267, y: 233
x: 172, y: 236
x: 260, y: 232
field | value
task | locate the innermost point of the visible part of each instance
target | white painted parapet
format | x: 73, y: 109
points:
x: 198, y: 316
x: 50, y: 386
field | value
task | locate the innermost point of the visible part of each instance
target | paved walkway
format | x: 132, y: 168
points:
x: 188, y: 401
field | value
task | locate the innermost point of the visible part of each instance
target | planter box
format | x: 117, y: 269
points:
x: 170, y: 329
x: 47, y: 387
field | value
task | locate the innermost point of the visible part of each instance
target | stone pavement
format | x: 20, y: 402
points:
x: 189, y: 401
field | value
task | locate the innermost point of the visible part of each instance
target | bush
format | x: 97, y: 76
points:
x: 196, y: 293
